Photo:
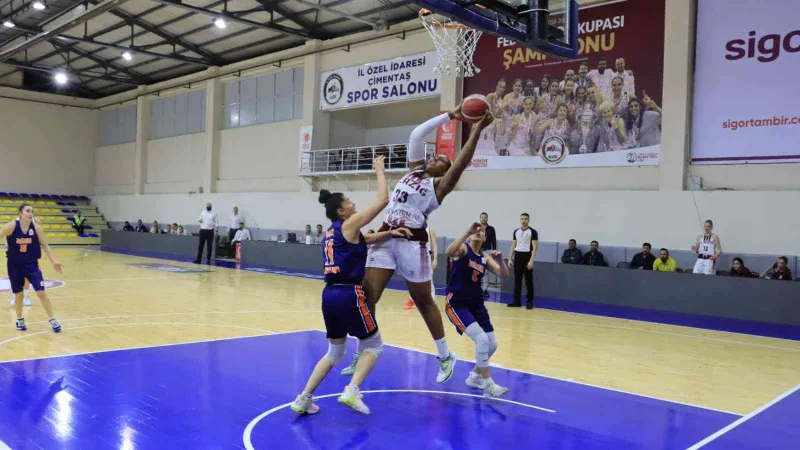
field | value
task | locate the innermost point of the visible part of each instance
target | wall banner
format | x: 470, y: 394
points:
x: 402, y: 78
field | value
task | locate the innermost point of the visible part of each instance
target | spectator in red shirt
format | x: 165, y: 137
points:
x: 740, y: 270
x: 778, y: 271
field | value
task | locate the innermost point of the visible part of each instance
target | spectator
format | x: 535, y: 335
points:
x: 778, y: 271
x: 242, y: 234
x: 740, y: 270
x: 156, y: 228
x: 643, y: 260
x: 308, y: 236
x: 320, y: 235
x: 489, y: 244
x: 233, y: 223
x: 167, y: 230
x: 183, y: 232
x: 665, y: 263
x: 593, y: 257
x: 78, y: 222
x: 572, y: 255
x: 127, y: 226
x: 173, y: 230
x: 140, y: 228
x: 209, y: 227
x: 524, y: 246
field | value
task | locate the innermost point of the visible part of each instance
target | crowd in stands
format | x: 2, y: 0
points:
x: 174, y: 229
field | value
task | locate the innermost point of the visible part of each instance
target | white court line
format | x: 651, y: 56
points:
x: 248, y: 431
x: 744, y: 419
x: 3, y: 446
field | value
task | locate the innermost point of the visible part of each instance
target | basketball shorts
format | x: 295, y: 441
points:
x: 464, y: 313
x: 345, y: 310
x: 409, y: 259
x: 18, y: 272
x: 704, y: 266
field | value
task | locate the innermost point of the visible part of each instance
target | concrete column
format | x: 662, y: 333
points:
x: 680, y: 22
x: 312, y: 115
x: 451, y: 96
x: 213, y: 125
x: 142, y: 139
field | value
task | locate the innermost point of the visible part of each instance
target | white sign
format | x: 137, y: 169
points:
x: 306, y: 135
x: 555, y: 157
x: 403, y: 78
x: 745, y: 91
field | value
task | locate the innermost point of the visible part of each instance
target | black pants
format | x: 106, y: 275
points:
x: 521, y: 260
x: 231, y: 235
x: 206, y: 237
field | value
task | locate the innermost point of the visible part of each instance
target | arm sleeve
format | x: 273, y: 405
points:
x: 416, y: 143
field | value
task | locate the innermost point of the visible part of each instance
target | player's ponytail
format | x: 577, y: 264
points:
x: 332, y: 202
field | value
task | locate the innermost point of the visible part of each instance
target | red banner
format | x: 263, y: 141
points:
x: 446, y: 138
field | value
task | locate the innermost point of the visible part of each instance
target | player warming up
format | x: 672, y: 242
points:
x: 344, y: 306
x: 25, y: 240
x: 464, y: 304
x: 411, y: 202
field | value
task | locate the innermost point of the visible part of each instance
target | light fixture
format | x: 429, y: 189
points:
x: 8, y: 23
x: 39, y: 5
x: 219, y: 22
x: 126, y: 55
x: 61, y: 78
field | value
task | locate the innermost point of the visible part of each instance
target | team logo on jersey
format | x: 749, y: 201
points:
x: 30, y: 232
x: 333, y: 88
x: 5, y: 285
x: 553, y: 150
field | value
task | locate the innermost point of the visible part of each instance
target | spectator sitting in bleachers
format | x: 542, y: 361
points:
x: 78, y: 222
x: 739, y: 270
x: 242, y: 234
x: 665, y: 263
x: 155, y: 229
x: 778, y: 271
x: 643, y: 260
x: 308, y: 238
x: 183, y: 232
x: 572, y: 254
x: 140, y: 228
x: 173, y: 230
x: 127, y: 226
x: 320, y: 235
x: 593, y: 257
x: 166, y: 230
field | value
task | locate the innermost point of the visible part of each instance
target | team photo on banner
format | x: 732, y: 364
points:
x: 599, y: 110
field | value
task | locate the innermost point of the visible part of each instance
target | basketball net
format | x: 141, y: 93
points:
x: 455, y: 44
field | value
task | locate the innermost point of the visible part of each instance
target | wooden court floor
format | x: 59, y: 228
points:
x: 109, y: 304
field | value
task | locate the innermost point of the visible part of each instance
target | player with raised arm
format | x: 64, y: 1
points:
x: 344, y: 306
x: 413, y: 199
x: 25, y: 240
x: 464, y: 304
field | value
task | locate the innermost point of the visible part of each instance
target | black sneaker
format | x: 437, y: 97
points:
x: 514, y: 305
x: 529, y: 306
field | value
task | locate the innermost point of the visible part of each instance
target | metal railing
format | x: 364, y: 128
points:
x: 352, y: 160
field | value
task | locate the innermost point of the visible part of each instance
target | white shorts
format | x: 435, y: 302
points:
x: 409, y: 259
x: 704, y: 266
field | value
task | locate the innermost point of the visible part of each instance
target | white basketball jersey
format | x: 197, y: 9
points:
x: 411, y: 201
x: 707, y: 245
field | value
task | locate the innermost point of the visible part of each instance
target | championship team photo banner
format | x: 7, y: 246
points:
x: 746, y: 76
x: 397, y: 79
x: 602, y: 109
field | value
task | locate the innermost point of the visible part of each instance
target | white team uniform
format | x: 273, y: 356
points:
x: 429, y: 248
x: 410, y: 203
x: 703, y: 265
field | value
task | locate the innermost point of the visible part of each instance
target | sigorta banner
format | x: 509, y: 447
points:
x: 601, y: 109
x: 745, y: 90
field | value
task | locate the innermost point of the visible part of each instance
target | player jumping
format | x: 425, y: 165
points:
x: 414, y: 198
x: 464, y: 304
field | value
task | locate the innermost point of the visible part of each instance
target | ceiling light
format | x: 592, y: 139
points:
x: 39, y: 5
x: 126, y: 55
x: 8, y: 24
x: 219, y: 22
x: 61, y: 78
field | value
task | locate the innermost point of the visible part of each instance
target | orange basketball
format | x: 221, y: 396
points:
x: 474, y: 107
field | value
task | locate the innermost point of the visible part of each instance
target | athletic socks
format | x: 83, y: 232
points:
x: 442, y: 348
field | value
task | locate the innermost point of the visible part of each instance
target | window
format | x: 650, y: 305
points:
x: 273, y: 97
x: 178, y: 115
x: 117, y: 126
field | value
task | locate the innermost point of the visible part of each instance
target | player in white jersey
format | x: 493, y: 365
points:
x: 433, y: 251
x: 414, y: 198
x: 708, y: 250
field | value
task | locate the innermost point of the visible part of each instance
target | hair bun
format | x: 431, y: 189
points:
x: 324, y: 196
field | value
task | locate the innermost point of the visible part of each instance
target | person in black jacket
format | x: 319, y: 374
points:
x: 643, y: 260
x: 593, y: 257
x: 572, y: 255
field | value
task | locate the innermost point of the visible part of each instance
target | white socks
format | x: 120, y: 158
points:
x: 442, y: 348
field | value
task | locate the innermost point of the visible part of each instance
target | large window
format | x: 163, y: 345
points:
x: 117, y: 126
x: 178, y: 115
x: 273, y: 97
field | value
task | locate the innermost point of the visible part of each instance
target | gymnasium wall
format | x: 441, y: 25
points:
x: 114, y: 169
x: 45, y: 147
x: 384, y: 124
x: 175, y: 164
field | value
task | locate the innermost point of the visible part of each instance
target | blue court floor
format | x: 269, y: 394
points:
x: 234, y: 394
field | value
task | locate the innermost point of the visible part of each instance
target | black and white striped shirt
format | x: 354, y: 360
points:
x: 525, y: 239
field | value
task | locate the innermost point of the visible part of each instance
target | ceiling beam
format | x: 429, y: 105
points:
x: 134, y: 76
x: 38, y: 68
x: 101, y: 8
x: 336, y: 12
x: 273, y: 7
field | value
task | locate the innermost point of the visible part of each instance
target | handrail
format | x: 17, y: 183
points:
x: 352, y: 160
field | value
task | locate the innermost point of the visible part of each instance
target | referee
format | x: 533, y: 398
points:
x: 209, y: 223
x: 521, y: 257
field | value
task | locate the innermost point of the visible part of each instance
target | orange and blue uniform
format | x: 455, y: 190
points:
x: 464, y: 304
x: 23, y: 256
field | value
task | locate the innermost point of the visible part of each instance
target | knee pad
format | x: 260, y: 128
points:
x: 335, y: 353
x: 372, y: 344
x: 476, y: 333
x: 492, y: 343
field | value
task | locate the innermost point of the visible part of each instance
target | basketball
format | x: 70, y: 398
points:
x: 474, y: 107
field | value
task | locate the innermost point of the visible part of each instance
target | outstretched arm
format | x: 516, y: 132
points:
x: 46, y: 247
x: 447, y: 183
x: 496, y: 264
x: 352, y: 226
x: 416, y: 143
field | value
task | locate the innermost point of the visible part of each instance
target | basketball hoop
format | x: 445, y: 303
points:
x: 455, y: 44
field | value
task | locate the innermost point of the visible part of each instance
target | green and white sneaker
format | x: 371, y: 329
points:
x: 351, y: 369
x: 475, y: 381
x: 352, y: 397
x: 494, y: 390
x: 446, y: 367
x: 304, y: 405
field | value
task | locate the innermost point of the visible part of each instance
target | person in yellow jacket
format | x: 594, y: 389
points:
x: 665, y: 263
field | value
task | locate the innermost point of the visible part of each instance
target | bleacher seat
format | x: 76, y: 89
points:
x: 623, y: 265
x: 54, y: 212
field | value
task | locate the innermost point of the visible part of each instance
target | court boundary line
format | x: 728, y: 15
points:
x: 248, y: 430
x: 744, y: 419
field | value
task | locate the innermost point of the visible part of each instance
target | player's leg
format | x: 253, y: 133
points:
x: 26, y: 299
x: 34, y: 275
x: 361, y: 324
x: 698, y: 266
x: 709, y: 267
x: 529, y: 287
x: 482, y: 378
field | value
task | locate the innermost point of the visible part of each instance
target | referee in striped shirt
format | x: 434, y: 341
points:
x: 523, y: 253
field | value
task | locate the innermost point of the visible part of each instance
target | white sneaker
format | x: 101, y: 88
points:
x: 26, y: 300
x: 304, y: 405
x: 474, y: 380
x: 446, y: 367
x: 494, y: 390
x: 351, y: 369
x: 352, y: 397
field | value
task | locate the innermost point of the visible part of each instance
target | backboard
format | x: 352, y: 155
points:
x: 523, y: 21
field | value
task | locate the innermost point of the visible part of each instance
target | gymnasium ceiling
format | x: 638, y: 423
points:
x: 165, y: 38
